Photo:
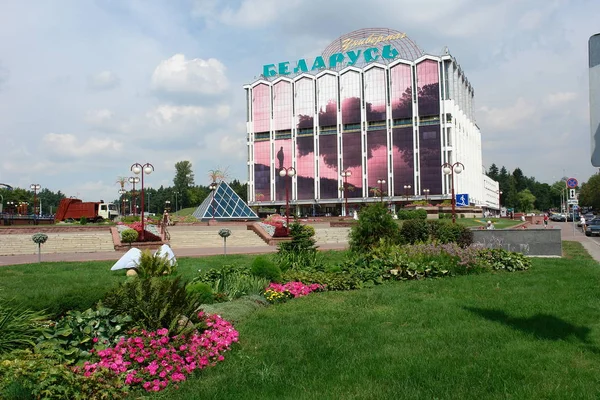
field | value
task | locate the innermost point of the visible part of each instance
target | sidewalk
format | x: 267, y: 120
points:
x: 576, y: 235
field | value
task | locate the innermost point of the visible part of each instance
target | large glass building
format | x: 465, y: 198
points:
x: 372, y: 108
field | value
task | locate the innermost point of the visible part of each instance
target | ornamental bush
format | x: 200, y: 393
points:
x: 19, y: 327
x: 374, y: 225
x: 412, y: 214
x: 263, y: 267
x: 129, y: 236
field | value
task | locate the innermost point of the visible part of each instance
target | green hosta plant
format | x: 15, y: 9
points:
x: 72, y: 338
x: 19, y: 327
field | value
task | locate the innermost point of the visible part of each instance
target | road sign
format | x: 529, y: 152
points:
x: 571, y: 193
x: 572, y: 183
x: 462, y: 200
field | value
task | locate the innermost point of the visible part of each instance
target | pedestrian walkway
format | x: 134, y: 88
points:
x: 571, y: 232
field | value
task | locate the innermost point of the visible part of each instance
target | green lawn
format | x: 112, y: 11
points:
x: 499, y: 223
x: 59, y: 286
x: 525, y: 335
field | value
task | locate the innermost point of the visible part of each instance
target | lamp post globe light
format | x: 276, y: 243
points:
x: 451, y: 169
x: 213, y: 188
x: 122, y: 193
x: 133, y: 180
x: 381, y: 183
x: 346, y: 174
x: 289, y: 172
x: 138, y: 169
x: 35, y: 187
x: 406, y: 189
x: 426, y: 193
x: 499, y: 204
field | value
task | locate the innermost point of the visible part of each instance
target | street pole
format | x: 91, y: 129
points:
x: 450, y: 169
x: 345, y: 174
x: 381, y: 182
x: 147, y: 168
x: 287, y: 173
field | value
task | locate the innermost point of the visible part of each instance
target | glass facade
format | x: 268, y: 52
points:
x: 377, y: 159
x: 283, y: 159
x: 262, y: 170
x: 328, y: 166
x: 305, y: 147
x: 428, y: 90
x: 327, y: 100
x: 403, y: 156
x: 350, y: 98
x: 401, y: 91
x: 261, y: 107
x: 430, y: 152
x: 282, y: 106
x: 375, y: 93
x: 352, y: 161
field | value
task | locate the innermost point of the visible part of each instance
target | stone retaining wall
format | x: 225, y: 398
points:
x: 530, y: 242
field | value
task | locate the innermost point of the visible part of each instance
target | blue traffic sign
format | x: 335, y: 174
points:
x: 572, y: 183
x: 462, y: 200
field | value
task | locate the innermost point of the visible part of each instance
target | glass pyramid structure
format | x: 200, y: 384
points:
x: 226, y: 206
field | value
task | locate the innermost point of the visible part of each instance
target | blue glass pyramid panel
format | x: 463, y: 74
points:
x: 224, y: 205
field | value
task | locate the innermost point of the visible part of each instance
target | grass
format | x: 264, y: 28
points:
x: 525, y: 335
x: 499, y: 223
x: 60, y: 286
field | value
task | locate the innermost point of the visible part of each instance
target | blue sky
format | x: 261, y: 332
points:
x: 89, y: 87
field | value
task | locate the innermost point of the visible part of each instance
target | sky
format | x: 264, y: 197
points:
x: 88, y: 88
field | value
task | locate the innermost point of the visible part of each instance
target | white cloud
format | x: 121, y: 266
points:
x: 104, y: 80
x: 3, y: 76
x: 559, y: 99
x: 64, y: 144
x: 506, y: 118
x: 98, y: 117
x: 177, y: 75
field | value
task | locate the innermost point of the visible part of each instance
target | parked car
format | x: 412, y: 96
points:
x: 592, y: 227
x: 558, y: 217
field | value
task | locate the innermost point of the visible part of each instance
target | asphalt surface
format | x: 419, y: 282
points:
x: 568, y: 233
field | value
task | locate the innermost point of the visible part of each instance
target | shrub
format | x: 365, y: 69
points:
x: 19, y: 327
x: 72, y: 338
x: 154, y: 265
x: 500, y: 259
x: 301, y: 251
x: 374, y: 224
x: 27, y: 375
x: 129, y: 236
x: 155, y: 303
x: 412, y: 214
x: 264, y: 267
x: 329, y: 280
x: 202, y: 290
x: 415, y: 231
x: 83, y: 221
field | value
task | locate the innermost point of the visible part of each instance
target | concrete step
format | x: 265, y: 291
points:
x: 238, y: 238
x: 332, y: 235
x: 75, y: 242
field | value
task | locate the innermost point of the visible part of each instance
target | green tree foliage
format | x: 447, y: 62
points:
x: 240, y: 189
x: 184, y: 179
x: 374, y: 225
x: 589, y: 195
x: 526, y: 200
x: 493, y: 172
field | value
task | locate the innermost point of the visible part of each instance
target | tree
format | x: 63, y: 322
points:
x: 520, y: 180
x: 493, y: 172
x: 240, y: 189
x: 526, y: 200
x: 589, y: 194
x: 374, y: 223
x: 184, y: 179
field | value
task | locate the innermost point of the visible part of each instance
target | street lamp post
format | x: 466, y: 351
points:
x: 176, y: 203
x: 426, y: 193
x: 122, y: 193
x: 381, y: 183
x: 289, y: 172
x: 11, y: 206
x: 133, y: 180
x: 451, y: 169
x: 35, y: 187
x: 213, y: 188
x: 346, y: 174
x: 147, y: 169
x: 406, y: 189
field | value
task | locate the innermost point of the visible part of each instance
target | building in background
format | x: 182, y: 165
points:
x: 375, y: 105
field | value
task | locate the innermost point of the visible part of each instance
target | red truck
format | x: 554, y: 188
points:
x: 75, y: 209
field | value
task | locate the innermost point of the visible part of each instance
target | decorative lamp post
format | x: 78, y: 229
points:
x: 426, y: 192
x: 213, y: 188
x: 381, y: 183
x: 142, y: 169
x: 290, y: 172
x: 346, y: 174
x: 133, y: 180
x: 451, y: 169
x: 11, y: 206
x: 168, y: 206
x: 35, y: 187
x: 122, y: 193
x: 406, y: 189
